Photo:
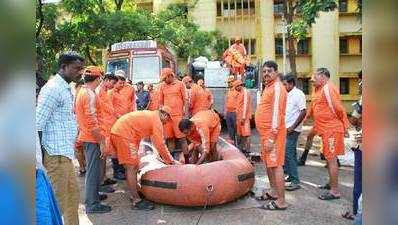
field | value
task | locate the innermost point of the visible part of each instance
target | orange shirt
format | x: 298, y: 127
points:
x: 231, y: 100
x: 328, y: 111
x: 140, y: 124
x: 210, y: 98
x: 129, y: 93
x: 201, y: 99
x: 153, y: 100
x: 204, y: 121
x: 105, y: 114
x: 270, y: 112
x: 123, y: 100
x: 174, y: 96
x: 244, y: 104
x: 86, y: 115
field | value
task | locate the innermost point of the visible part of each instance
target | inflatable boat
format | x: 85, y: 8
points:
x: 214, y: 183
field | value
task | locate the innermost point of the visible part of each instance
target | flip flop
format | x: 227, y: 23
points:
x: 266, y: 197
x: 272, y: 206
x: 349, y: 216
x: 328, y: 196
x: 326, y: 186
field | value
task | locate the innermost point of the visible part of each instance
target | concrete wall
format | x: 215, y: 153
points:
x: 349, y: 24
x: 325, y: 43
x: 350, y: 64
x: 266, y: 23
x: 243, y: 29
x: 205, y: 14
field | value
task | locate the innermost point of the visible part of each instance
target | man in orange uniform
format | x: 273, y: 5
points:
x: 243, y: 116
x: 237, y: 68
x: 126, y: 135
x: 93, y: 140
x: 153, y: 98
x: 172, y: 94
x: 230, y: 110
x: 201, y: 98
x: 106, y: 118
x: 203, y: 130
x: 123, y: 95
x: 330, y: 123
x: 270, y: 123
x: 208, y: 94
x: 188, y: 83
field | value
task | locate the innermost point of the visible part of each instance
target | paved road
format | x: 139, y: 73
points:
x: 305, y: 208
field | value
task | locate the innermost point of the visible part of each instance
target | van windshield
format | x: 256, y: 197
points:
x: 118, y: 64
x: 146, y: 69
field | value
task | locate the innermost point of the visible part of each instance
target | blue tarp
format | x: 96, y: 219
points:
x: 47, y: 210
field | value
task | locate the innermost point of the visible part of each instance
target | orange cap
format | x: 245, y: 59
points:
x: 237, y: 83
x: 93, y: 71
x: 166, y: 72
x: 166, y: 109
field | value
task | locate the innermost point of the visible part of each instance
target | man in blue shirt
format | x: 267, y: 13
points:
x: 57, y: 128
x: 142, y: 97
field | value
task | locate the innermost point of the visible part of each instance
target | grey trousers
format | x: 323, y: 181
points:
x: 92, y: 153
x: 231, y: 125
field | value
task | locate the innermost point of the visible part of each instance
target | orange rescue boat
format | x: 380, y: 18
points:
x: 213, y: 183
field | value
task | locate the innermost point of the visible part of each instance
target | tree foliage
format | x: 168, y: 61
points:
x: 300, y: 15
x: 88, y: 26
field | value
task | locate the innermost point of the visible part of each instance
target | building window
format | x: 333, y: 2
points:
x: 303, y: 47
x: 304, y: 85
x: 232, y: 8
x: 278, y: 46
x: 344, y: 86
x: 278, y: 7
x: 343, y: 46
x: 343, y: 6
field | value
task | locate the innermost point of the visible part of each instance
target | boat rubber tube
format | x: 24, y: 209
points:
x: 213, y: 183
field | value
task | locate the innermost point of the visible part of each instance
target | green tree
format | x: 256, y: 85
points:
x: 89, y: 26
x: 299, y: 16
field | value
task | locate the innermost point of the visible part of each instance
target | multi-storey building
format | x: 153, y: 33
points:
x: 334, y: 41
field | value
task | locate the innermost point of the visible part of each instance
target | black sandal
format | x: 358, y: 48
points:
x: 324, y: 187
x: 266, y: 197
x: 272, y: 206
x: 349, y: 216
x: 143, y: 205
x: 328, y: 196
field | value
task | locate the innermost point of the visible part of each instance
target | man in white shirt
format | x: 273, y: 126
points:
x: 295, y: 113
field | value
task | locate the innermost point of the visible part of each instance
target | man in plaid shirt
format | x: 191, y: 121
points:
x: 57, y: 127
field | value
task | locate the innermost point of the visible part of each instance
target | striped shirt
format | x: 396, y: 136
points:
x: 56, y: 119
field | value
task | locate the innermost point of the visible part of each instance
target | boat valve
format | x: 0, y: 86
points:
x: 210, y: 188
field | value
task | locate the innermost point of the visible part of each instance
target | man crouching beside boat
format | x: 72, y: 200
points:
x: 126, y: 135
x: 202, y: 130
